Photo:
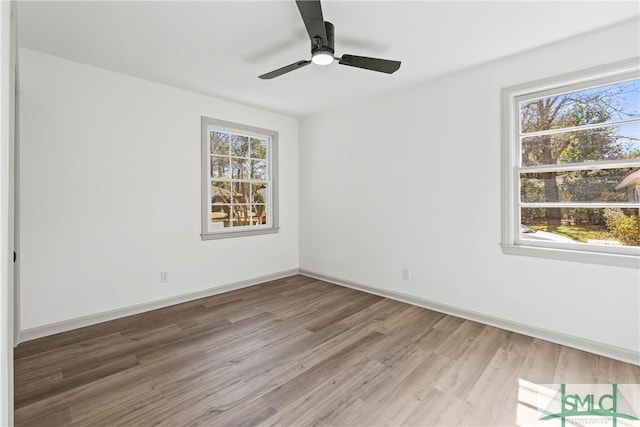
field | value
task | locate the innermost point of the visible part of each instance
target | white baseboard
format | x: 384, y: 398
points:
x: 92, y: 319
x: 613, y: 352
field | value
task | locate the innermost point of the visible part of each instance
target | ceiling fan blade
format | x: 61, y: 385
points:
x: 374, y: 64
x: 285, y: 69
x: 311, y: 12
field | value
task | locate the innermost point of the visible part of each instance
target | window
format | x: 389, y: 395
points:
x: 239, y: 185
x: 571, y: 167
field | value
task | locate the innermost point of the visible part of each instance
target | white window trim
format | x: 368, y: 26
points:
x: 272, y: 158
x: 511, y: 242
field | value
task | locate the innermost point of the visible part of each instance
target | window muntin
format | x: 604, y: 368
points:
x: 238, y: 180
x: 575, y: 150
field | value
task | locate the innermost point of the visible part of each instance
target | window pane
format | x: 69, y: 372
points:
x: 259, y: 214
x: 220, y: 215
x: 219, y: 167
x: 606, y: 185
x: 239, y: 146
x: 240, y: 168
x: 605, y: 143
x: 241, y: 192
x: 220, y: 192
x: 241, y: 215
x: 259, y: 193
x: 259, y: 148
x: 588, y: 106
x: 219, y: 143
x: 618, y: 227
x: 258, y: 169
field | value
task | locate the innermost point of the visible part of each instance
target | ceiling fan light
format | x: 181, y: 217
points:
x: 322, y: 57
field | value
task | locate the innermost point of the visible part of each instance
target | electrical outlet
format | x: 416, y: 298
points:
x: 406, y: 273
x: 164, y: 276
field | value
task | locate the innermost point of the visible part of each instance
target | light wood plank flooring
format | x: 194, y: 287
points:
x: 295, y: 351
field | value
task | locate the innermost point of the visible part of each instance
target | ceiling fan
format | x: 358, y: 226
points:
x: 321, y: 35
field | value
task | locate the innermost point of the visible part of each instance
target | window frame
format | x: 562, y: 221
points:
x: 272, y: 179
x: 511, y: 155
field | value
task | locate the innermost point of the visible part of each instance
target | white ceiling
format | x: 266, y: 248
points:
x: 219, y: 48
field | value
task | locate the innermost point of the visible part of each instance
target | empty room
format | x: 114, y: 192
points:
x: 332, y: 213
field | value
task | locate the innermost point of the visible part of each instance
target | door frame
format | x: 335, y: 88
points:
x: 8, y: 52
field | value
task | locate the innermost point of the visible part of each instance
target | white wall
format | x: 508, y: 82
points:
x: 110, y: 187
x: 414, y: 180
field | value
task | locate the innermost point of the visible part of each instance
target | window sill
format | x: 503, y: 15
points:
x: 238, y: 233
x: 627, y: 261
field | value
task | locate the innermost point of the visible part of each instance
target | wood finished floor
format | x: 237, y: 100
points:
x: 295, y: 351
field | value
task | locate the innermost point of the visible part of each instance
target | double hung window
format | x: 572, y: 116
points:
x: 238, y: 184
x: 571, y: 167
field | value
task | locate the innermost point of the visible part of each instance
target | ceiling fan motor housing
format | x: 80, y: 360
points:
x: 319, y: 45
